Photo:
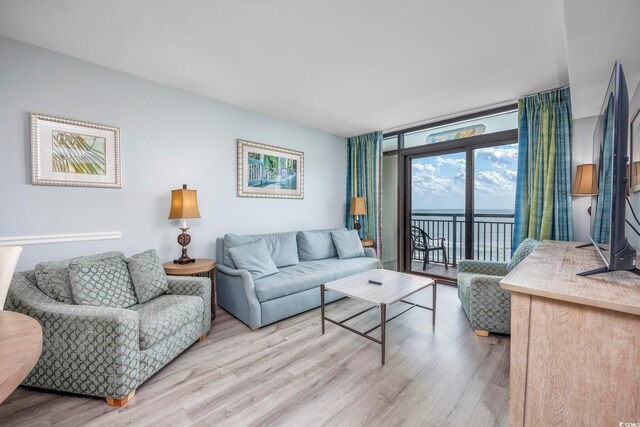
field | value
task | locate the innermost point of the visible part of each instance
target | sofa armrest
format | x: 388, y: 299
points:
x: 85, y: 349
x: 194, y: 286
x: 237, y: 295
x: 483, y: 267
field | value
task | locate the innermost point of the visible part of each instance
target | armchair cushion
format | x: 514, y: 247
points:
x: 482, y: 267
x: 165, y: 316
x: 348, y: 244
x: 103, y: 283
x: 526, y: 247
x: 147, y: 274
x: 254, y: 258
x: 53, y: 276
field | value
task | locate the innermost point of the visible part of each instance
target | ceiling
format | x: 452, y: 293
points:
x: 346, y: 67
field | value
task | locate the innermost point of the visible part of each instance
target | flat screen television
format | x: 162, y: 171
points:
x: 608, y: 207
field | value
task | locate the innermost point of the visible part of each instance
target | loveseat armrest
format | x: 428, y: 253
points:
x: 237, y: 295
x: 85, y: 349
x: 483, y: 267
x: 194, y: 286
x: 489, y: 304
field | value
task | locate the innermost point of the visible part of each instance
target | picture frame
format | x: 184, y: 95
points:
x: 74, y: 153
x: 267, y: 171
x: 634, y: 140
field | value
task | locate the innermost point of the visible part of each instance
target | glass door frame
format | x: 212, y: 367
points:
x: 466, y: 145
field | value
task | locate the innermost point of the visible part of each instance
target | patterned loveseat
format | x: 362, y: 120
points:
x: 106, y: 351
x: 485, y: 303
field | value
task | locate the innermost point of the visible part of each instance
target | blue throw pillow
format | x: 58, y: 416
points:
x: 254, y: 257
x: 314, y: 245
x: 147, y: 274
x: 347, y: 243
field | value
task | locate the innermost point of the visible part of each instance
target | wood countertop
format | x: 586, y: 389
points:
x: 550, y: 272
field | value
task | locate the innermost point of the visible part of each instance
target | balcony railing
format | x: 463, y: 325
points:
x: 492, y: 235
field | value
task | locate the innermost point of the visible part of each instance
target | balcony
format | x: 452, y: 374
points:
x: 492, y: 237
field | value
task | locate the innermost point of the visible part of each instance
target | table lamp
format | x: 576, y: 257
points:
x: 358, y: 207
x: 184, y: 205
x: 586, y: 183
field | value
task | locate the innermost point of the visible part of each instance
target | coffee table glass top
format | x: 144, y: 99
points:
x: 395, y: 286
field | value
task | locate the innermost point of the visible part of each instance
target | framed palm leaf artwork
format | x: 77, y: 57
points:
x: 74, y: 153
x: 268, y: 171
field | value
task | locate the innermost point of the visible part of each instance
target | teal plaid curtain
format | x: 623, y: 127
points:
x: 364, y: 156
x: 543, y: 190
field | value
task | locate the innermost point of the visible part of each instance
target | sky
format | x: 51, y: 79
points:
x: 439, y: 182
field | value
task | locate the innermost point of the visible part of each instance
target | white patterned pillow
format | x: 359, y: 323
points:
x: 148, y: 276
x: 102, y: 283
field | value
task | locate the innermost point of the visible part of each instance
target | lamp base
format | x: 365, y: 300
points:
x: 184, y: 239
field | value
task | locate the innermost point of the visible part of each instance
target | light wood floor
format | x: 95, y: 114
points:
x: 288, y: 374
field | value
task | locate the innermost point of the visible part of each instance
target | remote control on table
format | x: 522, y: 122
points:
x: 374, y: 282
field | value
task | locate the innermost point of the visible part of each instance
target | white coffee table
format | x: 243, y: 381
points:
x: 395, y: 288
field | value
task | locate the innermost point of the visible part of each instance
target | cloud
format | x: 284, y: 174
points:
x: 494, y: 182
x: 428, y: 179
x: 510, y: 175
x: 500, y: 157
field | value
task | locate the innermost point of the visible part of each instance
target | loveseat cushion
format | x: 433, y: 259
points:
x: 282, y: 247
x: 315, y: 245
x: 102, y: 283
x: 53, y: 276
x: 148, y: 276
x: 290, y: 280
x: 166, y: 316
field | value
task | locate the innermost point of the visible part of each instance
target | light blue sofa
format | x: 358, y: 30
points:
x: 305, y: 260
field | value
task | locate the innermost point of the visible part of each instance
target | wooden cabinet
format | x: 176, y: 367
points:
x: 575, y: 341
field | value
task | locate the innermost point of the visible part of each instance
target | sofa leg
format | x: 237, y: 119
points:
x: 255, y: 329
x: 482, y: 332
x: 202, y: 337
x: 121, y: 402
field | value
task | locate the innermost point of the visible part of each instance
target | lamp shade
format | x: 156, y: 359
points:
x: 184, y: 204
x: 586, y: 183
x: 358, y: 206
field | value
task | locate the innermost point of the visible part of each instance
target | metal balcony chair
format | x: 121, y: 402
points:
x: 421, y: 242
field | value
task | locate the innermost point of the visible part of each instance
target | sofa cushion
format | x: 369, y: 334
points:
x: 347, y: 267
x: 147, y: 274
x: 293, y: 279
x: 254, y: 258
x: 53, y: 276
x: 282, y: 247
x: 348, y: 244
x: 310, y: 274
x: 314, y: 245
x: 526, y: 247
x: 166, y: 315
x: 102, y: 283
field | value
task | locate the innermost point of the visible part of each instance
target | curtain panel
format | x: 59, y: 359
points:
x: 364, y: 157
x: 543, y: 189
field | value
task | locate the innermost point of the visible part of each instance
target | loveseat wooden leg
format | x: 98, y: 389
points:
x: 121, y: 402
x: 482, y: 332
x: 202, y: 337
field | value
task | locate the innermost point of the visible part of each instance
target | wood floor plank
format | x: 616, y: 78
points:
x: 289, y: 374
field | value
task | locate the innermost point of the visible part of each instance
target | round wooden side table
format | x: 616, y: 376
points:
x: 203, y: 267
x: 20, y: 348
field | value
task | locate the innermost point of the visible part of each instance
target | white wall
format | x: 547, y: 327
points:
x: 582, y: 153
x: 168, y: 137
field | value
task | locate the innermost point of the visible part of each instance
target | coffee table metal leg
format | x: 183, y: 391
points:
x: 322, y: 306
x: 383, y: 328
x: 435, y: 288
